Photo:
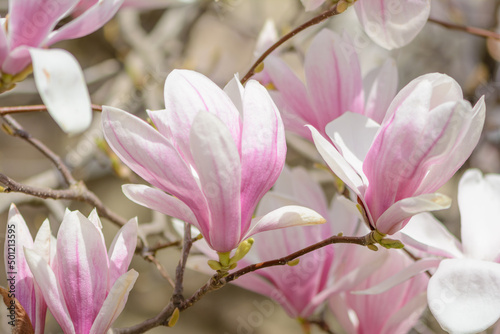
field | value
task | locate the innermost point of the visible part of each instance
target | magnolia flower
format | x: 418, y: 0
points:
x: 464, y: 291
x: 212, y: 156
x: 85, y: 286
x: 334, y: 85
x: 27, y: 291
x: 83, y: 5
x: 389, y: 23
x: 32, y: 24
x: 427, y: 134
x: 30, y: 28
x: 303, y: 288
x: 393, y: 311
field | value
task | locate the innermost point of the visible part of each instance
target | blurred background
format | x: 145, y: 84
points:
x: 125, y: 66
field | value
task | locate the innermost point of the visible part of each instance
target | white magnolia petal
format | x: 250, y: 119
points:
x: 114, y: 303
x: 478, y: 199
x: 121, y: 250
x: 353, y: 135
x: 286, y: 216
x: 407, y: 273
x: 426, y: 233
x: 60, y: 82
x: 464, y: 295
x: 337, y: 163
x: 393, y: 218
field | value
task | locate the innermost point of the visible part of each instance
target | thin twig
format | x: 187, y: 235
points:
x: 471, y: 30
x: 177, y: 296
x: 34, y: 108
x: 315, y: 20
x: 161, y: 269
x: 77, y: 192
x: 18, y: 131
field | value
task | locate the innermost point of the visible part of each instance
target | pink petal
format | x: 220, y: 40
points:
x: 31, y: 21
x: 121, y: 251
x: 478, y: 199
x: 187, y: 93
x: 158, y: 200
x: 91, y: 20
x: 333, y: 78
x: 284, y: 217
x: 4, y: 44
x: 416, y: 268
x: 464, y: 295
x: 263, y: 148
x: 396, y: 217
x: 393, y: 24
x: 291, y: 97
x: 82, y: 268
x: 114, y: 303
x: 407, y: 316
x: 427, y: 234
x: 380, y: 87
x: 17, y: 238
x: 148, y: 153
x: 51, y: 290
x: 218, y: 165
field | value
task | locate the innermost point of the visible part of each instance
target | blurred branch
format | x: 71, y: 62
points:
x: 34, y: 108
x: 336, y: 9
x: 16, y: 130
x: 77, y: 192
x: 177, y: 297
x: 471, y: 30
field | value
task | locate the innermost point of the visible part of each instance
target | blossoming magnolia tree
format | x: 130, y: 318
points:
x: 309, y: 177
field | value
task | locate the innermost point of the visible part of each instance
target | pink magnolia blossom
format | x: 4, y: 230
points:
x: 393, y: 311
x: 302, y: 289
x: 389, y: 23
x: 427, y: 134
x: 464, y: 291
x: 212, y: 157
x: 27, y: 291
x: 334, y: 85
x: 85, y: 286
x: 32, y: 24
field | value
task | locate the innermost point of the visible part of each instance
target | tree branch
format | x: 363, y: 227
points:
x: 471, y: 30
x: 338, y: 8
x: 34, y: 108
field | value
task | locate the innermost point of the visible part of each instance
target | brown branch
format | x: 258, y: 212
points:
x: 34, y: 108
x: 160, y: 268
x: 17, y: 130
x: 219, y: 280
x: 77, y: 192
x: 177, y: 296
x: 338, y: 8
x: 471, y: 30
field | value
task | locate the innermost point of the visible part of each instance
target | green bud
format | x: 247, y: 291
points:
x: 241, y: 251
x: 259, y: 68
x: 293, y: 262
x: 224, y: 259
x: 173, y: 319
x: 215, y: 265
x: 372, y: 247
x: 391, y: 243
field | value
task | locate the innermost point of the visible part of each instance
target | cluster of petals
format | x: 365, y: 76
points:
x: 328, y: 274
x: 211, y: 157
x: 32, y: 24
x: 84, y: 286
x: 464, y: 291
x: 394, y: 168
x: 389, y: 23
x: 334, y: 85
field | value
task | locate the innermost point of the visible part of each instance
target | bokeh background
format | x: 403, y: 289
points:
x: 125, y: 66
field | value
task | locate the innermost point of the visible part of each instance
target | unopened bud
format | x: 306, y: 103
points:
x: 293, y: 262
x: 241, y: 251
x: 174, y: 318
